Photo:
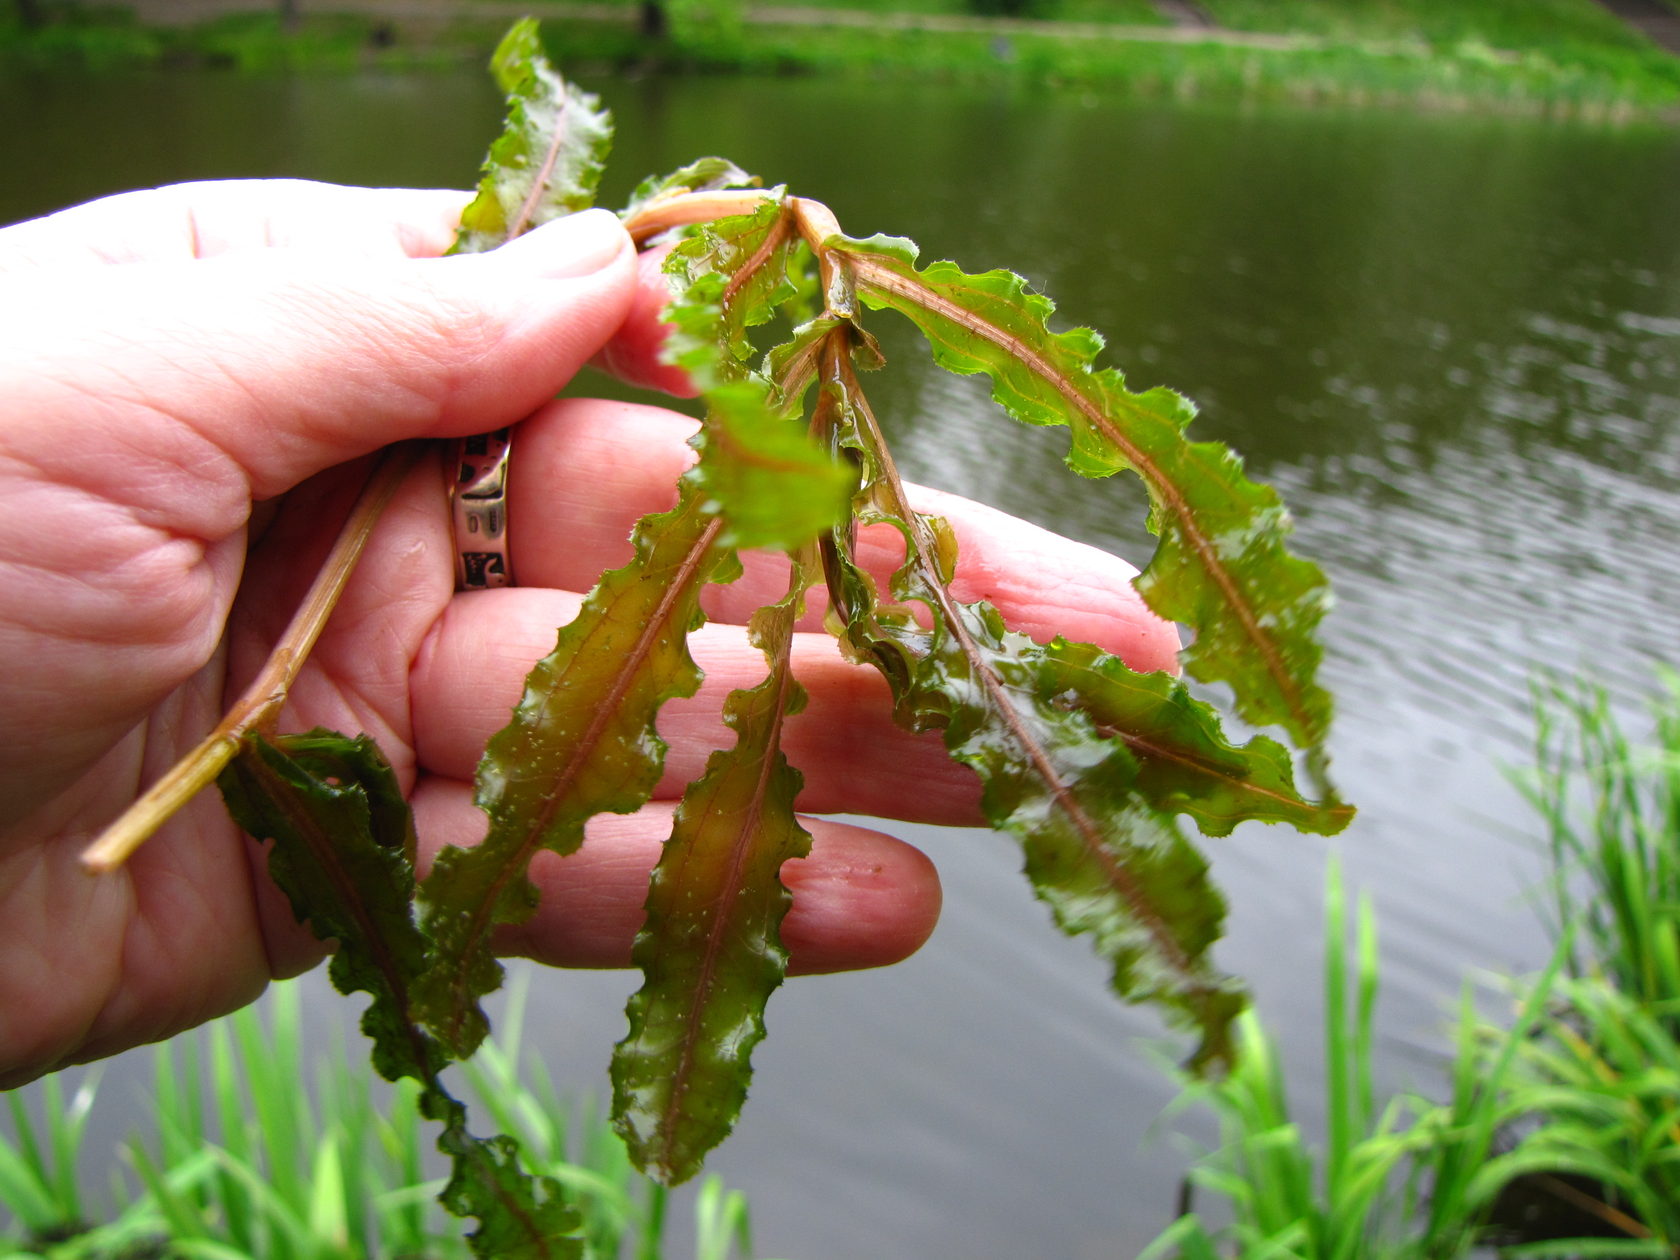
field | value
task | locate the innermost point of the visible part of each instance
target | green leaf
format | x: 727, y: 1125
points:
x: 768, y: 482
x: 1185, y: 763
x: 772, y: 485
x: 343, y: 853
x: 711, y: 950
x: 1096, y: 851
x: 581, y: 741
x: 521, y: 1217
x: 548, y: 160
x: 1105, y: 862
x: 731, y: 276
x: 1221, y: 565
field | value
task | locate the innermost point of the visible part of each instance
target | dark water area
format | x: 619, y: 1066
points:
x: 1452, y: 342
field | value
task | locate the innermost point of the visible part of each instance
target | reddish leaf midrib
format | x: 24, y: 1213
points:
x: 1089, y: 834
x: 739, y: 853
x: 326, y: 855
x: 873, y: 270
x: 583, y: 750
x: 545, y: 173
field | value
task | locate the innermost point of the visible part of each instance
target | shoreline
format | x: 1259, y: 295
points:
x: 1166, y: 61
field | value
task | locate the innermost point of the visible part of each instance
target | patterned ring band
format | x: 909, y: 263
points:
x: 478, y: 506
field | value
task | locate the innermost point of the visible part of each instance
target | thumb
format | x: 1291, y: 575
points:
x: 251, y: 372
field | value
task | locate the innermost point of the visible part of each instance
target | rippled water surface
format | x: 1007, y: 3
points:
x: 1454, y: 343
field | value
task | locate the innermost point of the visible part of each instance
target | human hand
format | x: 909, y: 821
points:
x: 189, y: 379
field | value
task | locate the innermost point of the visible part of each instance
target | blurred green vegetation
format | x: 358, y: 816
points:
x: 99, y: 37
x: 1531, y: 56
x: 1517, y: 25
x: 1561, y: 1133
x: 257, y: 1145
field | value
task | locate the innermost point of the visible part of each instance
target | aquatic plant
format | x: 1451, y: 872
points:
x: 1086, y: 763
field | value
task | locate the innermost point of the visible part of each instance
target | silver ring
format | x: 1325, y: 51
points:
x: 478, y: 508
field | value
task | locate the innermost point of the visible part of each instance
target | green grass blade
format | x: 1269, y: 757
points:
x: 1365, y: 1047
x: 26, y: 1190
x: 280, y: 1217
x: 1338, y: 1052
x: 207, y: 1249
x: 653, y: 1232
x: 327, y: 1215
x: 1186, y: 1238
x: 404, y: 1220
x: 271, y: 1060
x: 168, y: 1190
x: 1586, y: 1248
x: 1476, y: 1105
x: 721, y: 1221
x: 66, y: 1127
x: 26, y: 1145
x: 233, y: 1115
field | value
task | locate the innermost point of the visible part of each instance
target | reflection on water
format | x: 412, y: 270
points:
x: 1454, y: 344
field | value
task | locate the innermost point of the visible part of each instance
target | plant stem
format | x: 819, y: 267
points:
x: 1561, y: 1189
x: 817, y: 225
x: 266, y: 696
x: 815, y: 221
x: 687, y: 209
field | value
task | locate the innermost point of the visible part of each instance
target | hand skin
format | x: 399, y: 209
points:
x: 190, y: 381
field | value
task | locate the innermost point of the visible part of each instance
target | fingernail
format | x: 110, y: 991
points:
x: 578, y: 245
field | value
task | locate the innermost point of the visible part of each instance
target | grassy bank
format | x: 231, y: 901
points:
x: 1552, y: 56
x: 1464, y: 77
x: 1560, y: 1135
x: 234, y: 1163
x: 103, y: 39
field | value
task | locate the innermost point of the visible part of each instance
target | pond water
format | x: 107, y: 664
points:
x: 1454, y: 343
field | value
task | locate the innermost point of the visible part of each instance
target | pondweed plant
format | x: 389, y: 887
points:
x: 1083, y: 761
x: 253, y: 1149
x: 1561, y: 1136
